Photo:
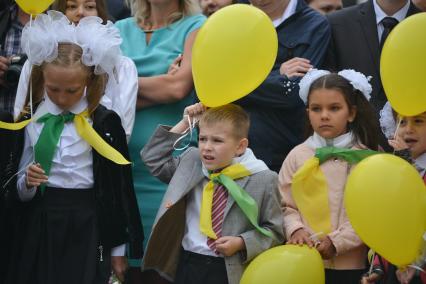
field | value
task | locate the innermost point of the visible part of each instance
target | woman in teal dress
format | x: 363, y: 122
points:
x: 160, y: 32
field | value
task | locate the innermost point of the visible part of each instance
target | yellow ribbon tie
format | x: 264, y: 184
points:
x: 85, y: 130
x: 14, y: 126
x: 235, y: 171
x: 310, y: 192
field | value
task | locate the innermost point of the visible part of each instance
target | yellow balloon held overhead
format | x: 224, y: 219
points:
x: 286, y: 264
x: 402, y: 66
x: 34, y: 7
x: 233, y: 53
x: 385, y: 199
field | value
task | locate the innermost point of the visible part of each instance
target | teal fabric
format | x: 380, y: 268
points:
x: 153, y: 59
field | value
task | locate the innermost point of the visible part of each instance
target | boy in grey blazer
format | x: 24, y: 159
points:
x: 180, y: 248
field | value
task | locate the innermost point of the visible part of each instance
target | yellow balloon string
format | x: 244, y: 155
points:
x: 85, y: 130
x: 310, y: 192
x: 235, y: 171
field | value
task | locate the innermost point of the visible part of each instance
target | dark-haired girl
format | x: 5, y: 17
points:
x: 313, y: 177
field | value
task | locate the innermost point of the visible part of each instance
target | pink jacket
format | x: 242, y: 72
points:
x: 351, y: 252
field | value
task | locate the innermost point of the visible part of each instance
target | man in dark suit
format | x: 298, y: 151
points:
x: 358, y: 33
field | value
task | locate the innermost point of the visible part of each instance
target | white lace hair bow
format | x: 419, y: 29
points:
x: 387, y: 121
x: 358, y: 80
x: 100, y: 43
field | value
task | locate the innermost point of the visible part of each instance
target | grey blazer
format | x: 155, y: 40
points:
x: 182, y: 174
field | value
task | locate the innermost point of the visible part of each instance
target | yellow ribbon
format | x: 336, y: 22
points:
x: 235, y: 171
x: 14, y: 126
x: 310, y: 192
x: 86, y: 131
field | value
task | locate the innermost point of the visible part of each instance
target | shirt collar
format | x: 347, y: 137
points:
x: 421, y: 161
x: 288, y: 12
x: 343, y: 141
x: 400, y: 15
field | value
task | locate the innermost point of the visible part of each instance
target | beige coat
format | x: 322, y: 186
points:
x: 351, y: 252
x: 182, y: 174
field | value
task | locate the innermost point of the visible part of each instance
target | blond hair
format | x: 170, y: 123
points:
x: 69, y: 55
x: 141, y: 9
x: 231, y: 114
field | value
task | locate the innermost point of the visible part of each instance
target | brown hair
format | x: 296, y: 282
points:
x: 365, y: 126
x: 69, y: 55
x: 231, y: 114
x: 101, y: 8
x: 141, y: 9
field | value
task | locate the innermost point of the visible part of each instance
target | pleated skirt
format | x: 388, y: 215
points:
x: 59, y: 241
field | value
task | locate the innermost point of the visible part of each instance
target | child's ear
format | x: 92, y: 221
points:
x: 242, y: 146
x: 352, y: 114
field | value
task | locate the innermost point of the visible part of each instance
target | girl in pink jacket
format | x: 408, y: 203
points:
x: 342, y: 125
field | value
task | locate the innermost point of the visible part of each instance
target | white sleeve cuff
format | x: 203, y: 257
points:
x: 119, y: 250
x: 24, y: 193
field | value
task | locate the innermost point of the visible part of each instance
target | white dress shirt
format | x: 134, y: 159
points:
x: 288, y: 12
x: 119, y: 97
x: 380, y: 15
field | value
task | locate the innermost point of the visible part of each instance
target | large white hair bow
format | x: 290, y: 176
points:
x: 100, y: 43
x: 358, y: 80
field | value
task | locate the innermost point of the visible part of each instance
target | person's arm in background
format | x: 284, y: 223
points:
x: 4, y: 65
x: 168, y: 88
x: 280, y: 91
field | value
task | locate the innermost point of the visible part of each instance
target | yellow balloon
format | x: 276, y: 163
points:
x: 286, y: 264
x: 402, y: 66
x: 34, y: 7
x: 385, y: 200
x: 233, y: 53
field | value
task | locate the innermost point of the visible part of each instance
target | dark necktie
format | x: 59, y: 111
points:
x: 45, y: 147
x: 388, y: 24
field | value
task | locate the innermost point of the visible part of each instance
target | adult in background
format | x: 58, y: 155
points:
x: 325, y: 6
x: 159, y: 32
x: 12, y: 21
x: 211, y: 6
x: 358, y: 34
x: 275, y: 109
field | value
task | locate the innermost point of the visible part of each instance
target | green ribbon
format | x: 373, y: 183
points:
x: 349, y: 155
x: 46, y: 144
x: 246, y: 203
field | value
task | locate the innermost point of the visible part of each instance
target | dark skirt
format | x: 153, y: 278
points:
x: 59, y: 241
x: 333, y: 276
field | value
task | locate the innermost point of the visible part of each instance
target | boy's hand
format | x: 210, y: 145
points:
x: 370, y: 279
x: 300, y: 237
x: 35, y: 176
x: 405, y: 276
x: 326, y: 248
x: 398, y: 143
x: 119, y: 266
x: 229, y: 245
x: 194, y: 113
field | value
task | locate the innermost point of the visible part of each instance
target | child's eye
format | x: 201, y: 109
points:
x: 418, y: 120
x: 202, y: 139
x: 403, y: 122
x: 90, y: 7
x: 315, y: 109
x: 218, y: 140
x: 71, y: 6
x: 335, y: 108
